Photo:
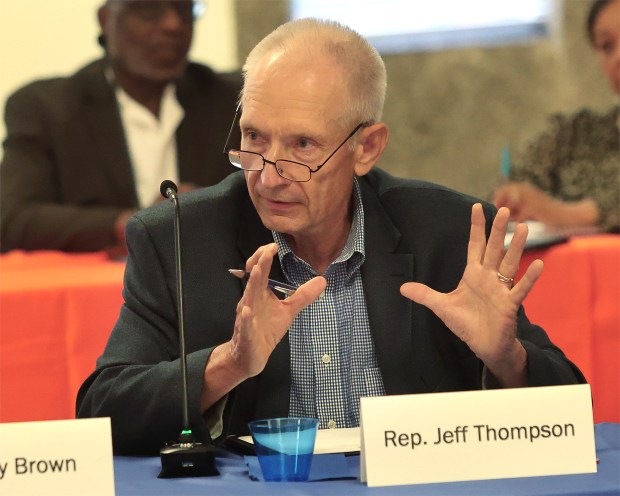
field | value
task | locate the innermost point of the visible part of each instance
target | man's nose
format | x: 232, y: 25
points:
x: 270, y: 176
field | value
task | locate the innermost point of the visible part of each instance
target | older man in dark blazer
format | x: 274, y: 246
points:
x: 69, y: 174
x: 398, y: 289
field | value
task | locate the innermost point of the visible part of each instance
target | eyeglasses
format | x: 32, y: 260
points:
x: 288, y: 169
x: 154, y: 10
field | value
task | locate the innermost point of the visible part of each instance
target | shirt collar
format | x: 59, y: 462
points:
x: 170, y: 113
x: 353, y: 250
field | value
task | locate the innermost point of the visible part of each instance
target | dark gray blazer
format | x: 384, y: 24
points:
x: 414, y: 231
x: 66, y: 172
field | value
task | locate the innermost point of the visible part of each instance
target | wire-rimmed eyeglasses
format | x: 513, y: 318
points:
x: 288, y: 169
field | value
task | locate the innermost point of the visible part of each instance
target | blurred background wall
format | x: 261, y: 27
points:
x: 450, y: 112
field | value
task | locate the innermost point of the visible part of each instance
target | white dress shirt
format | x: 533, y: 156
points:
x: 151, y: 141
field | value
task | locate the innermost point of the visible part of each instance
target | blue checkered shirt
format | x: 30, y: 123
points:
x: 333, y: 361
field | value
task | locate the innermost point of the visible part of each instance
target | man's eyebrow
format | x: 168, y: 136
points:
x: 287, y: 135
x: 244, y: 126
x: 314, y: 135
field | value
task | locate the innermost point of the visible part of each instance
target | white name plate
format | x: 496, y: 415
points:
x: 68, y: 457
x: 476, y: 435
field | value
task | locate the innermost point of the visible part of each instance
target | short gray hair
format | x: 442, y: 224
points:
x: 360, y: 61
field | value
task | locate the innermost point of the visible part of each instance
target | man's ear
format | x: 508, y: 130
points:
x: 102, y: 16
x: 371, y: 142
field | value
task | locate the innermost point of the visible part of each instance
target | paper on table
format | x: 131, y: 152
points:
x: 540, y: 234
x: 331, y: 440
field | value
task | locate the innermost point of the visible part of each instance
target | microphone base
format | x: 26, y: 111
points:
x: 187, y: 460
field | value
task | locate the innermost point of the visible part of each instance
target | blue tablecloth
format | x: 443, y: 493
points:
x: 138, y: 476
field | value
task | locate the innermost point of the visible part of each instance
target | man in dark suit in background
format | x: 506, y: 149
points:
x: 83, y: 153
x: 310, y: 209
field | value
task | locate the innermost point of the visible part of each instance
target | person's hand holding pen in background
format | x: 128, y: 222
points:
x: 524, y: 201
x: 568, y: 175
x: 527, y: 202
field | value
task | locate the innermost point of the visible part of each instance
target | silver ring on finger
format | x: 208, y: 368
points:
x: 503, y: 278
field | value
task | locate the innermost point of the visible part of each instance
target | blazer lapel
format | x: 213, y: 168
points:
x: 254, y: 234
x: 190, y: 152
x: 386, y: 268
x: 275, y: 380
x: 103, y: 118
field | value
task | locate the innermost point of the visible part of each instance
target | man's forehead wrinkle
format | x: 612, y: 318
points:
x: 282, y: 87
x: 260, y: 91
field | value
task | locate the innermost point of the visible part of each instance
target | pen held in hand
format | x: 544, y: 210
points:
x: 506, y: 163
x: 281, y: 287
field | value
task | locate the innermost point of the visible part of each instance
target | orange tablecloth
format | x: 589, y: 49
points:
x: 577, y: 301
x: 56, y: 312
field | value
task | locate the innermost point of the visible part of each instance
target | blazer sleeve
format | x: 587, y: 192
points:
x: 33, y: 215
x: 546, y: 363
x: 137, y: 381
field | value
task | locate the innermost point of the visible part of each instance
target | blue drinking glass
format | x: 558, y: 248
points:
x: 284, y: 447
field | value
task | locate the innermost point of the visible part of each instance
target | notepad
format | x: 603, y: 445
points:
x: 540, y: 235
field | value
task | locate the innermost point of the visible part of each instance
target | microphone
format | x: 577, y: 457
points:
x: 186, y: 457
x: 168, y: 190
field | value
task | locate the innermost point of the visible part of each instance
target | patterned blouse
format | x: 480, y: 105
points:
x: 577, y: 158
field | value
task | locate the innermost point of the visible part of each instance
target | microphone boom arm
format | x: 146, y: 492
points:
x: 185, y: 458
